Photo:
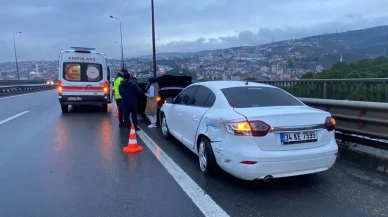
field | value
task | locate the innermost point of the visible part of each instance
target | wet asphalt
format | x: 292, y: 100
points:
x: 54, y: 164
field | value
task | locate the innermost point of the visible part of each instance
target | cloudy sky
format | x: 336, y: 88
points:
x: 181, y: 25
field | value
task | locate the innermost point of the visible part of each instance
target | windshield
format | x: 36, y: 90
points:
x: 82, y: 72
x: 246, y: 97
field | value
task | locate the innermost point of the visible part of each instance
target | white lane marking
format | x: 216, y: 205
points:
x: 13, y: 117
x: 202, y: 200
x: 8, y: 97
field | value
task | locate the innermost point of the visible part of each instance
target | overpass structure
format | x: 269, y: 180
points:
x: 54, y: 164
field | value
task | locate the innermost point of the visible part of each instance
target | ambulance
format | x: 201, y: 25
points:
x: 83, y: 78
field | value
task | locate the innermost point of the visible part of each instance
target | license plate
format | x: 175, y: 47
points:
x: 298, y: 137
x: 74, y: 98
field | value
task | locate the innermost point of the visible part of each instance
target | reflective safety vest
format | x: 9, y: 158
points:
x: 116, y: 87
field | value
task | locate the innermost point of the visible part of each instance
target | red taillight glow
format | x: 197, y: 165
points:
x: 250, y: 128
x: 60, y: 86
x: 106, y: 87
x: 330, y: 123
x: 248, y: 162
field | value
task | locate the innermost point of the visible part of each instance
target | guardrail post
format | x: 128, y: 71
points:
x: 325, y: 90
x: 386, y: 92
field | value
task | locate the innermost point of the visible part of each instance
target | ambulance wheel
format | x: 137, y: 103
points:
x: 64, y: 108
x: 104, y: 108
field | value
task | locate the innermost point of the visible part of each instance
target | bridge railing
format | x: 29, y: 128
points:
x: 14, y: 89
x: 357, y: 121
x: 21, y: 82
x: 365, y: 89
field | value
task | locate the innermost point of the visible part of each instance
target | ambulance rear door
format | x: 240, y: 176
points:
x: 83, y: 76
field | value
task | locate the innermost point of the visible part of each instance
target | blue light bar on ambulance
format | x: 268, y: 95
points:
x: 82, y: 49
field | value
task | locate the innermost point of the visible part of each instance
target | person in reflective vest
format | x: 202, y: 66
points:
x: 117, y: 83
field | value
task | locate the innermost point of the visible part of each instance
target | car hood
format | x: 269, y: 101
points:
x: 174, y: 81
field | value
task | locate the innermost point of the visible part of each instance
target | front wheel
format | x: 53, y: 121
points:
x: 165, y: 130
x: 207, y: 161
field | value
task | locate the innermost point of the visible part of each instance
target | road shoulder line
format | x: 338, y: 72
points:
x: 24, y: 94
x: 13, y: 117
x: 200, y: 198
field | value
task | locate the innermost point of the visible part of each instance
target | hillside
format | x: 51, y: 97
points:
x: 353, y: 45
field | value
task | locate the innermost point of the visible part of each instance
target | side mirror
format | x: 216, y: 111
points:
x: 173, y: 101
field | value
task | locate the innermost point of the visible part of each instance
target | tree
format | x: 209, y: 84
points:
x: 346, y: 90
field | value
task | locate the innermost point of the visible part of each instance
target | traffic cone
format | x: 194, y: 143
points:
x: 117, y: 114
x: 132, y: 146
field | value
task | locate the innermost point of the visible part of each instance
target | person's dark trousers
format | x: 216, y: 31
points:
x: 121, y: 112
x: 130, y: 109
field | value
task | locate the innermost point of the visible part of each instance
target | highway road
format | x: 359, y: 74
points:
x: 54, y: 164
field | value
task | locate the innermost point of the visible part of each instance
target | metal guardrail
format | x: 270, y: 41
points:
x: 363, y: 89
x: 23, y: 88
x: 21, y: 82
x: 359, y: 122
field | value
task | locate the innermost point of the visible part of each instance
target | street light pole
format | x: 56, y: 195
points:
x: 153, y: 39
x: 14, y: 48
x: 121, y: 50
x: 121, y: 36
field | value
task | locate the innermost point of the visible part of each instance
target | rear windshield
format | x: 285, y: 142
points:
x: 247, y: 97
x: 82, y: 72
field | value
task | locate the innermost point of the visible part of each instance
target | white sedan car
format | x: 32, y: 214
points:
x: 250, y: 130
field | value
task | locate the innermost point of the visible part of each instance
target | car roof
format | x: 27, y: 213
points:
x: 217, y: 85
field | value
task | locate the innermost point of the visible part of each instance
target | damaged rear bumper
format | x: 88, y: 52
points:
x: 273, y: 163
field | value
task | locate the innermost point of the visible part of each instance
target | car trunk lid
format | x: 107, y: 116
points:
x: 292, y: 127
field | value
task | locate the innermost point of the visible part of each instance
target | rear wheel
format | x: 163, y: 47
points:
x: 65, y: 108
x: 207, y: 160
x: 165, y: 130
x: 104, y: 108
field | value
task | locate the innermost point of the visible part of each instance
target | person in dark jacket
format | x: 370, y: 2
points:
x: 116, y: 85
x: 130, y: 93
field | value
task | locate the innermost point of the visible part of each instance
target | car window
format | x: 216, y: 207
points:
x: 246, y: 97
x: 185, y: 97
x: 200, y: 96
x: 210, y: 100
x: 82, y: 72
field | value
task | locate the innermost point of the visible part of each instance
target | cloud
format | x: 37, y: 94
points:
x: 181, y: 26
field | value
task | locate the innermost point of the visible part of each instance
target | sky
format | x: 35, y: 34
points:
x: 180, y: 25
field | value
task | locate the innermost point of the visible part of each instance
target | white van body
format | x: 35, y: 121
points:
x: 83, y: 78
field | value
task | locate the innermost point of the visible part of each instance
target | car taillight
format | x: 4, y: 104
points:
x: 106, y: 87
x: 250, y: 128
x: 259, y: 128
x: 330, y: 123
x: 60, y: 86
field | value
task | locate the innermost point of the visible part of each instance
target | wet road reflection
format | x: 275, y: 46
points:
x: 73, y: 165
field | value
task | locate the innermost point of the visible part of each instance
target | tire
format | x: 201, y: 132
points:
x: 164, y: 127
x: 206, y: 159
x: 158, y: 118
x: 64, y: 108
x: 104, y: 108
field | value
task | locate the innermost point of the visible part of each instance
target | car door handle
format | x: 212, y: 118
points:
x: 179, y: 115
x: 195, y: 118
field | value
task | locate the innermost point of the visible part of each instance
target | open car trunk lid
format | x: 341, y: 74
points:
x: 292, y: 127
x: 171, y: 81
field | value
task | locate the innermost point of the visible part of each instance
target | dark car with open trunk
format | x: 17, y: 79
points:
x: 169, y: 86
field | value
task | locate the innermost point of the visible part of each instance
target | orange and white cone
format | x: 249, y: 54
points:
x: 132, y: 146
x: 117, y: 114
